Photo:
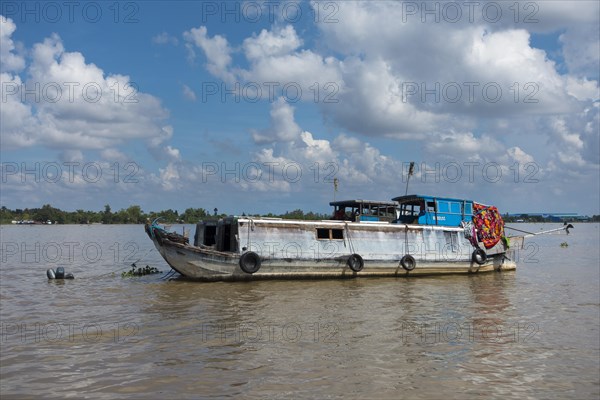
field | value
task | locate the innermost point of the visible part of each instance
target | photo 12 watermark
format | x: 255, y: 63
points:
x: 469, y: 92
x: 454, y: 12
x: 267, y: 172
x: 467, y: 332
x: 69, y: 92
x: 252, y: 92
x: 455, y: 250
x: 69, y: 171
x: 67, y: 332
x: 68, y: 252
x: 471, y: 172
x: 265, y: 332
x: 91, y: 12
x: 254, y: 12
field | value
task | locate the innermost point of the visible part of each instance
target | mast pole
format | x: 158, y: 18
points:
x: 411, y: 170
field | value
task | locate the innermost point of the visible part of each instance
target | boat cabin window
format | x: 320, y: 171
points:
x: 443, y: 206
x: 431, y: 206
x: 411, y: 209
x: 330, y: 233
x: 360, y: 211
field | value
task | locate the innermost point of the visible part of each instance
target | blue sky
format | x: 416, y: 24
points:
x: 256, y: 107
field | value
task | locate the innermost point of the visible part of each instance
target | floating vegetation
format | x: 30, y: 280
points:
x: 147, y: 270
x: 564, y: 244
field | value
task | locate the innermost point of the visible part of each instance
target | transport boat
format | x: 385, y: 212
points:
x: 410, y: 235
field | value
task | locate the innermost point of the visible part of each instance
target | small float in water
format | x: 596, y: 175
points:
x: 410, y: 235
x: 58, y: 274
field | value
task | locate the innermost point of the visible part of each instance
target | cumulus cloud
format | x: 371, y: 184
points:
x: 69, y: 103
x: 272, y: 43
x: 458, y: 97
x: 9, y: 60
x: 216, y: 49
x: 399, y: 79
x: 275, y: 58
x: 283, y: 127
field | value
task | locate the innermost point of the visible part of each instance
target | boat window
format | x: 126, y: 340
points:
x: 455, y: 207
x: 410, y: 209
x: 468, y: 208
x: 326, y: 233
x: 443, y: 207
x: 431, y: 206
x: 337, y: 233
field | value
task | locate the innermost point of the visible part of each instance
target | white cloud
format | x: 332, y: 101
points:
x: 72, y: 104
x: 583, y: 89
x: 112, y: 154
x: 169, y: 177
x: 272, y: 43
x: 216, y: 49
x: 9, y: 61
x: 283, y: 127
x: 165, y: 38
x: 188, y: 93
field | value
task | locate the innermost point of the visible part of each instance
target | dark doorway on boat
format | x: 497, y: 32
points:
x: 226, y: 238
x: 206, y: 233
x: 209, y: 235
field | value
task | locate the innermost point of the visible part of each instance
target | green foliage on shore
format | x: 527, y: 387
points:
x: 131, y: 215
x: 135, y: 215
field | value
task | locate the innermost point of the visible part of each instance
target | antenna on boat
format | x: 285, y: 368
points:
x: 411, y: 170
x: 335, y: 187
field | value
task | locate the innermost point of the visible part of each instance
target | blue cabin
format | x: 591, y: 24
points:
x: 430, y: 210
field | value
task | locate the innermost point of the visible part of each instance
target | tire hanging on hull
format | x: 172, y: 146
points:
x: 408, y: 262
x: 479, y: 257
x: 355, y: 262
x: 250, y: 262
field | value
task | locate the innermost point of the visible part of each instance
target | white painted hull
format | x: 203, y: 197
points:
x: 289, y: 250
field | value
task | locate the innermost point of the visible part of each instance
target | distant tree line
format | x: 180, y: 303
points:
x: 540, y: 218
x: 135, y: 215
x: 131, y: 215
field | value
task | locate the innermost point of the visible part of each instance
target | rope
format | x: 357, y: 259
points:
x: 350, y: 245
x: 250, y: 227
x: 406, y: 238
x: 168, y: 274
x: 518, y: 230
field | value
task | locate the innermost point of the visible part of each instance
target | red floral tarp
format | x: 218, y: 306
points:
x: 489, y: 224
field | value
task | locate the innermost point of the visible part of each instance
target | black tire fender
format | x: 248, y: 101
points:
x: 408, y: 262
x: 479, y: 257
x: 355, y: 262
x: 250, y: 262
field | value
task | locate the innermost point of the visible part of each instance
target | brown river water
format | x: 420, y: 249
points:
x: 532, y: 333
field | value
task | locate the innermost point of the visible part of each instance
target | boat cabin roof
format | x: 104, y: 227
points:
x: 356, y: 203
x: 418, y: 197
